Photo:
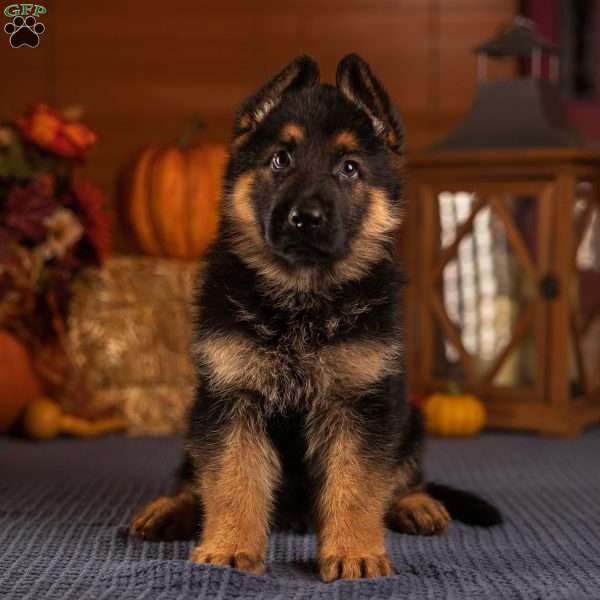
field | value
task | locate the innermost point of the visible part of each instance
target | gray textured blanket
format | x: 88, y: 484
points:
x: 65, y: 506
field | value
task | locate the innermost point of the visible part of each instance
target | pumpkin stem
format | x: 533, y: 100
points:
x: 189, y: 132
x: 454, y: 388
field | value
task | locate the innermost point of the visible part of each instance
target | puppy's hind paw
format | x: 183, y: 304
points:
x: 418, y: 514
x: 166, y: 518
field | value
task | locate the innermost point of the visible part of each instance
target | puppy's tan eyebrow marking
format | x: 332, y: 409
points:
x: 292, y: 132
x: 346, y: 140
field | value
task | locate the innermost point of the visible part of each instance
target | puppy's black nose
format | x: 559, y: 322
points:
x: 306, y: 215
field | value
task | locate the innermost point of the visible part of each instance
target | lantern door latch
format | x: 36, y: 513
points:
x: 549, y: 287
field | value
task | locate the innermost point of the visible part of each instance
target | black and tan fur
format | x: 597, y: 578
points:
x: 301, y: 414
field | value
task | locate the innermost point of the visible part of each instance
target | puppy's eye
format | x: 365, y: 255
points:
x: 349, y: 169
x: 281, y: 160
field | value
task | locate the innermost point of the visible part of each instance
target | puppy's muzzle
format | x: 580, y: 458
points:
x: 305, y: 230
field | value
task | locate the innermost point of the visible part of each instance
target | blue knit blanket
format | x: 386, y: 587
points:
x: 65, y: 507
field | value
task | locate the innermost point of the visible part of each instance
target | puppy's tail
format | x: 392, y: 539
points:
x: 465, y: 506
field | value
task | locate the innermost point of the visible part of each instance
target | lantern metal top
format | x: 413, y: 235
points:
x: 520, y: 39
x: 523, y: 112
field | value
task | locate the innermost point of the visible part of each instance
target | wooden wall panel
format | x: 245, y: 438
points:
x: 141, y: 68
x: 27, y: 73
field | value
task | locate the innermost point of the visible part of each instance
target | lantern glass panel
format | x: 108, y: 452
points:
x: 585, y: 293
x: 485, y: 281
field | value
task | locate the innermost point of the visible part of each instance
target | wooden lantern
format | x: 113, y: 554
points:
x: 504, y: 256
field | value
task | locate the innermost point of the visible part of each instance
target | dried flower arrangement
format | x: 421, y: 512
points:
x: 52, y: 224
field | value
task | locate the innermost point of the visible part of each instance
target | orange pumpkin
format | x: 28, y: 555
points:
x: 454, y: 414
x: 18, y: 382
x: 172, y: 200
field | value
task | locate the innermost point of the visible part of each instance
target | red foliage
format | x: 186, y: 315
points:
x: 26, y: 209
x: 91, y: 204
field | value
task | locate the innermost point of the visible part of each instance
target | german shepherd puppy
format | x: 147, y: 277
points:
x: 301, y: 412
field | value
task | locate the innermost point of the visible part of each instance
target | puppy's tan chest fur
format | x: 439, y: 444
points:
x: 300, y: 365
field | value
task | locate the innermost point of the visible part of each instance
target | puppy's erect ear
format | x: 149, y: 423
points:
x: 356, y: 81
x: 301, y: 73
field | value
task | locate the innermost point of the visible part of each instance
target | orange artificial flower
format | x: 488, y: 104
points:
x: 79, y: 135
x: 45, y: 127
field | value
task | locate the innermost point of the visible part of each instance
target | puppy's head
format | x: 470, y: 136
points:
x: 313, y: 184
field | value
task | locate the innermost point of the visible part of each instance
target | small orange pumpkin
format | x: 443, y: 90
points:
x: 44, y: 420
x: 18, y: 382
x: 172, y: 198
x: 454, y: 414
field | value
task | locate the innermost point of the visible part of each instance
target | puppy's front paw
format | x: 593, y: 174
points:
x: 341, y: 566
x: 245, y: 561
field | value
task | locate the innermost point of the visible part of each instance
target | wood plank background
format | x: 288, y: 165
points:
x: 141, y: 68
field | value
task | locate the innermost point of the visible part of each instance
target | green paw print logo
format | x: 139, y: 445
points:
x: 24, y: 29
